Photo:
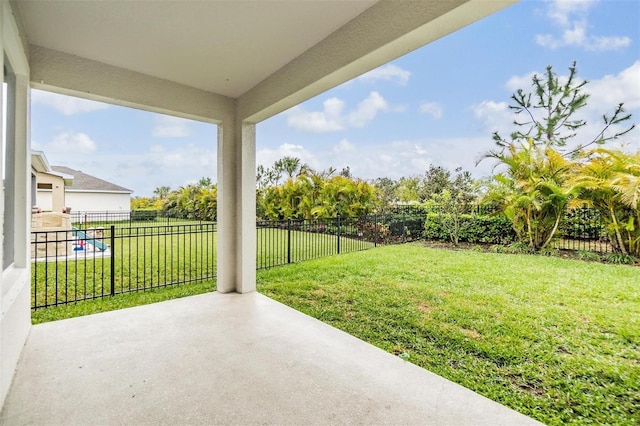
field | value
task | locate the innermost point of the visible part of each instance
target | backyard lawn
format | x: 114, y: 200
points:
x: 556, y: 339
x: 149, y: 257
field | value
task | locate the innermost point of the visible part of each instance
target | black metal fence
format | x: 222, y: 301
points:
x: 582, y: 230
x: 280, y: 242
x: 88, y: 263
x: 69, y: 266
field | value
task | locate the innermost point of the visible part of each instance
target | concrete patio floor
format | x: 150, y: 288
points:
x: 226, y: 359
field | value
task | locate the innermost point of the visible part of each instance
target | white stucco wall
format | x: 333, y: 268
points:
x: 15, y: 210
x: 98, y: 202
x: 44, y: 199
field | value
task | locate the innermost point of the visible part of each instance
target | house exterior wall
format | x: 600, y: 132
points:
x: 44, y: 200
x: 15, y: 210
x: 98, y: 202
x: 50, y: 199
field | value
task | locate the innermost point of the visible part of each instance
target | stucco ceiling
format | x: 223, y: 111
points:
x: 224, y: 47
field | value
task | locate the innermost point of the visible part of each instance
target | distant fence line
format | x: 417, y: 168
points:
x: 97, y: 261
x: 106, y: 218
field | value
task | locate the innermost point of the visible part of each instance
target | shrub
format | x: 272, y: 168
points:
x: 370, y: 231
x: 588, y: 256
x: 412, y: 225
x: 473, y: 229
x: 144, y: 215
x: 619, y: 258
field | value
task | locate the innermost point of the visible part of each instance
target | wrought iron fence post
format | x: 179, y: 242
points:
x: 375, y: 230
x: 113, y: 260
x: 338, y: 233
x: 288, y: 240
x: 404, y: 229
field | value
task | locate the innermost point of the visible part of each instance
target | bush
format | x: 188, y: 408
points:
x: 144, y: 215
x: 473, y: 229
x: 412, y: 225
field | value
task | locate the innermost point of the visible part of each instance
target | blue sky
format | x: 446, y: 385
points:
x: 437, y: 105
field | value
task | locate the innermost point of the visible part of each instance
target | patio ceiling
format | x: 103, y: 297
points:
x: 259, y: 51
x: 225, y: 47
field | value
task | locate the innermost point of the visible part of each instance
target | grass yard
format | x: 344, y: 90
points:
x: 151, y: 259
x: 556, y: 339
x: 141, y: 262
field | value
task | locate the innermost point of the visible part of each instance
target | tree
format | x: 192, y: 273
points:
x: 205, y: 182
x: 288, y: 165
x: 453, y: 198
x: 534, y: 188
x: 436, y: 180
x: 533, y: 191
x: 386, y: 191
x: 317, y: 194
x: 547, y: 115
x: 162, y: 192
x: 610, y: 182
x: 408, y: 190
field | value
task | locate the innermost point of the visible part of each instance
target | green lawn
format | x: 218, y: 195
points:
x: 556, y: 339
x: 151, y: 259
x: 140, y: 263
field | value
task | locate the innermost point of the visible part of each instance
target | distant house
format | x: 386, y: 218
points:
x: 91, y: 194
x: 47, y: 185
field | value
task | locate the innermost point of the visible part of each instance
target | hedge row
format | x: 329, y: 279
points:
x: 473, y: 229
x: 144, y: 215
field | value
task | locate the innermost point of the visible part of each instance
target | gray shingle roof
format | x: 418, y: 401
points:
x: 85, y: 182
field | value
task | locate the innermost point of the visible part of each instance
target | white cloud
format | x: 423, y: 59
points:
x: 433, y: 109
x: 344, y: 146
x: 71, y: 143
x: 268, y: 156
x: 166, y: 126
x: 571, y: 18
x: 388, y: 72
x: 327, y: 120
x: 66, y: 105
x: 521, y: 81
x: 172, y: 165
x: 494, y: 116
x: 367, y: 110
x: 610, y: 90
x: 395, y: 159
x: 333, y: 118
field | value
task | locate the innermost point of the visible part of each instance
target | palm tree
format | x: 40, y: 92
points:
x: 533, y: 191
x: 162, y: 192
x: 610, y: 182
x: 288, y: 165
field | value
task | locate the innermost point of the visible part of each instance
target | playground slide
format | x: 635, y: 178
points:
x: 82, y: 236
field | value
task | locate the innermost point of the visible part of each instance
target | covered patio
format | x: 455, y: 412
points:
x: 227, y: 359
x: 233, y: 356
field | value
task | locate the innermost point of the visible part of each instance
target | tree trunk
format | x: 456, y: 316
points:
x: 617, y: 231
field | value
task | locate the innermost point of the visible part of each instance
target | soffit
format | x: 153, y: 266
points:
x: 224, y: 47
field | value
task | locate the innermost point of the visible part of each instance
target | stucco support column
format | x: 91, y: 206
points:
x: 22, y: 182
x: 236, y: 207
